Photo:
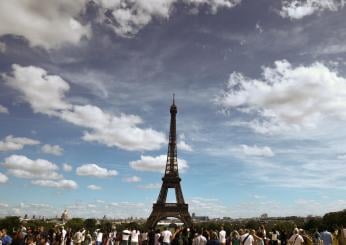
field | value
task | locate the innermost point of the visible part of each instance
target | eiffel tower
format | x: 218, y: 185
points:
x: 171, y: 179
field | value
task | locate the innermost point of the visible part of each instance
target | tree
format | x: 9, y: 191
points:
x: 11, y: 223
x: 75, y: 224
x: 90, y: 224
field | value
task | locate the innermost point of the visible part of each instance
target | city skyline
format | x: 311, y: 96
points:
x: 86, y: 87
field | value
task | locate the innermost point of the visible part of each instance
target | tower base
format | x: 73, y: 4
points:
x: 164, y: 210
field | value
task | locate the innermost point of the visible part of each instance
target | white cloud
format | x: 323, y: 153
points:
x: 121, y: 131
x: 2, y: 47
x: 3, y: 205
x: 150, y: 186
x: 94, y: 187
x: 67, y: 167
x: 156, y: 164
x: 23, y: 167
x: 127, y: 17
x: 287, y: 98
x: 257, y: 151
x: 11, y: 143
x: 182, y: 145
x: 60, y: 184
x: 132, y: 179
x: 48, y: 24
x: 3, y: 109
x: 298, y: 9
x: 52, y: 149
x: 3, y: 178
x: 46, y: 94
x: 95, y: 170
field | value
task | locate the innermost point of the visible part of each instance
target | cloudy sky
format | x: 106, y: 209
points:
x: 85, y: 90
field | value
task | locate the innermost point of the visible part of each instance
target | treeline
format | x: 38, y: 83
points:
x: 329, y: 221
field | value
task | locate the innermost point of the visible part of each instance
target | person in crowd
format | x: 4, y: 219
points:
x: 125, y: 237
x: 5, y: 239
x: 316, y: 238
x: 335, y: 235
x: 151, y: 237
x: 166, y: 236
x: 257, y: 240
x: 326, y: 237
x: 214, y: 240
x: 307, y: 239
x: 135, y: 236
x: 274, y: 238
x: 222, y: 236
x: 342, y: 236
x: 157, y: 237
x: 296, y: 239
x: 235, y: 238
x: 144, y: 238
x: 199, y: 238
x: 99, y: 237
x: 246, y: 238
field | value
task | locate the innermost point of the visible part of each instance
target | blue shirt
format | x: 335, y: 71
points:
x: 327, y: 238
x: 6, y: 240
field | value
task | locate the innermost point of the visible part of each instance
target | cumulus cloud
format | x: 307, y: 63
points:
x: 3, y: 109
x: 11, y: 143
x: 132, y: 179
x: 3, y: 178
x: 121, y: 131
x: 127, y: 17
x: 67, y: 167
x: 23, y: 167
x: 156, y: 164
x: 48, y: 24
x: 60, y: 184
x: 298, y: 9
x: 46, y: 94
x: 257, y: 151
x: 95, y: 170
x: 182, y: 145
x: 287, y: 98
x: 94, y: 187
x: 52, y: 149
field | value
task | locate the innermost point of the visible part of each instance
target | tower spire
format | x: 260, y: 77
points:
x: 172, y: 163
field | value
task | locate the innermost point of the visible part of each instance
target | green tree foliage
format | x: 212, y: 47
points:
x: 75, y: 224
x: 11, y: 223
x: 90, y: 224
x: 333, y: 220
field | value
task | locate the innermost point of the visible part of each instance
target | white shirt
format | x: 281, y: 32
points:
x: 222, y: 236
x: 126, y: 235
x: 99, y: 237
x: 63, y: 232
x: 134, y: 235
x: 157, y: 236
x: 199, y: 240
x: 166, y: 236
x: 249, y: 239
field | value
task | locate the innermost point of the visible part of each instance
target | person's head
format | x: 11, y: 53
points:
x: 296, y: 231
x: 4, y: 232
x: 252, y: 232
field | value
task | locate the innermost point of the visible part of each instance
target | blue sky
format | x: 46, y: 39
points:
x: 86, y: 86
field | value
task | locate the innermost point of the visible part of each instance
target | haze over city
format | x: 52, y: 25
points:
x: 86, y: 87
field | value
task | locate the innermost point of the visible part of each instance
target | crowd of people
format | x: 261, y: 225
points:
x: 180, y: 236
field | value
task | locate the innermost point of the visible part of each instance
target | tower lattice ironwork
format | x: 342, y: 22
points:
x: 171, y: 179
